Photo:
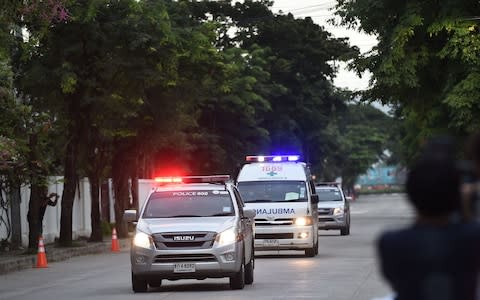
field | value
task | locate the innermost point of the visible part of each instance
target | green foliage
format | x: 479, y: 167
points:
x: 127, y: 88
x: 426, y: 63
x: 359, y: 137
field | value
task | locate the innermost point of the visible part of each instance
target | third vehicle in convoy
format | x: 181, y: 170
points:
x: 333, y: 207
x: 281, y: 191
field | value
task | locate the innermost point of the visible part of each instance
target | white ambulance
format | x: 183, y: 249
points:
x: 281, y: 191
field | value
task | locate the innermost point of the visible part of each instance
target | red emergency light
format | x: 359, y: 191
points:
x: 168, y: 179
x: 193, y: 179
x: 272, y: 158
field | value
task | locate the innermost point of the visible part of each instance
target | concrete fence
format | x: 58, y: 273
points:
x: 81, y: 209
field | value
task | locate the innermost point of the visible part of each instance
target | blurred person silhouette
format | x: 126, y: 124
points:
x: 471, y: 186
x: 438, y: 256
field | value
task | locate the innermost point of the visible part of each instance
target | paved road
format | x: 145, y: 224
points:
x: 345, y: 269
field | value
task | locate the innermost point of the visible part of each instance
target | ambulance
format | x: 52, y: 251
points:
x: 281, y: 191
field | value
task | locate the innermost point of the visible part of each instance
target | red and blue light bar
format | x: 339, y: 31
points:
x: 193, y: 179
x: 272, y: 158
x: 333, y: 183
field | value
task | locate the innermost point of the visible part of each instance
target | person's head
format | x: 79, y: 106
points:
x: 433, y: 187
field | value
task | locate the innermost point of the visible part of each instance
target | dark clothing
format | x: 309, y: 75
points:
x: 432, y: 262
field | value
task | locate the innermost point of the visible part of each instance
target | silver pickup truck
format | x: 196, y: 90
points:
x: 192, y: 228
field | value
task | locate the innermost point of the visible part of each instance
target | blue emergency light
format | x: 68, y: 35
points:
x: 272, y: 158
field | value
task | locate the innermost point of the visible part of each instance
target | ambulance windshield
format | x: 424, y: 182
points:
x: 273, y: 191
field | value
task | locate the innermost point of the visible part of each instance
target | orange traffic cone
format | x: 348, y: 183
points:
x: 41, y: 256
x: 115, y: 245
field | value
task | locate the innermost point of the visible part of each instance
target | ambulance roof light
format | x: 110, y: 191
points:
x: 272, y: 158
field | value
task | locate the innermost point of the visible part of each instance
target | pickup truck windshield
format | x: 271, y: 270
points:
x: 329, y: 195
x: 273, y: 191
x: 177, y: 204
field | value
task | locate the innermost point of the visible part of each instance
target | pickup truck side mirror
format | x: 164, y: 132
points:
x: 315, y: 199
x: 130, y: 216
x: 348, y: 198
x: 249, y: 213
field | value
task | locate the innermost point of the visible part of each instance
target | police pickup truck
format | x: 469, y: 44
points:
x: 192, y: 228
x: 281, y: 191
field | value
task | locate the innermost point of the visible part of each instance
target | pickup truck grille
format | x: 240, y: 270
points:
x: 174, y: 258
x: 273, y: 236
x: 184, y: 240
x: 325, y: 211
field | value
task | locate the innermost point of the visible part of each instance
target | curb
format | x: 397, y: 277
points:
x: 20, y: 262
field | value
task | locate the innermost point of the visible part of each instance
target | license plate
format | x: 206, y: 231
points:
x: 183, y: 268
x: 270, y: 243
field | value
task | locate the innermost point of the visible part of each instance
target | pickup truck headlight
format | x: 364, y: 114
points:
x: 338, y: 211
x: 227, y: 237
x: 143, y: 240
x: 302, y: 221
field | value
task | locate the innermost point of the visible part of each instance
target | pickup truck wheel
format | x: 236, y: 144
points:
x: 346, y: 230
x: 310, y: 252
x: 249, y: 270
x: 237, y: 282
x: 155, y: 283
x: 139, y: 285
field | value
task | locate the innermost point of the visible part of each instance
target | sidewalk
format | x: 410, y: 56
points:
x: 15, y: 260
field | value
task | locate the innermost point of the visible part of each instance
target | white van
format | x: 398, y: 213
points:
x: 281, y: 191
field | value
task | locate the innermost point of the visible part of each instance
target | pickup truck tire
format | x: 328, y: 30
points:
x: 237, y: 282
x: 155, y: 283
x: 139, y: 285
x: 249, y: 270
x: 310, y: 252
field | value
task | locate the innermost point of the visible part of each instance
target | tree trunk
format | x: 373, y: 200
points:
x: 70, y: 185
x: 34, y: 222
x: 15, y: 200
x: 134, y: 186
x: 120, y: 175
x: 97, y: 235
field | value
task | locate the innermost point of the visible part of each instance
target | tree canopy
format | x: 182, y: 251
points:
x: 426, y: 63
x: 129, y: 89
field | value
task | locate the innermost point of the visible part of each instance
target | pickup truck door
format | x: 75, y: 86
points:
x: 247, y: 228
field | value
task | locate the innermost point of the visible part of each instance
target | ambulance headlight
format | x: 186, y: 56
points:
x: 338, y: 211
x: 227, y: 237
x: 143, y: 240
x: 302, y: 221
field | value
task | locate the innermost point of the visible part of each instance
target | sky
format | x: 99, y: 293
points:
x: 320, y: 11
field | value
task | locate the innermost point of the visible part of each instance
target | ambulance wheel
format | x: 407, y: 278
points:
x: 139, y: 285
x: 237, y: 281
x: 310, y: 252
x: 249, y: 270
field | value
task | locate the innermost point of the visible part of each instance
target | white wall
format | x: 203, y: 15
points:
x: 81, y: 209
x: 145, y: 186
x: 81, y: 225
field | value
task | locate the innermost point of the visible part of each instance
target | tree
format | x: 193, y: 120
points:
x: 362, y: 132
x: 100, y: 60
x: 426, y: 63
x: 297, y: 56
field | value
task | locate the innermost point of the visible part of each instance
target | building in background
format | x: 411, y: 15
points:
x: 382, y: 177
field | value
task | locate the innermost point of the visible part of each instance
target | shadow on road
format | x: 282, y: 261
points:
x: 191, y: 287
